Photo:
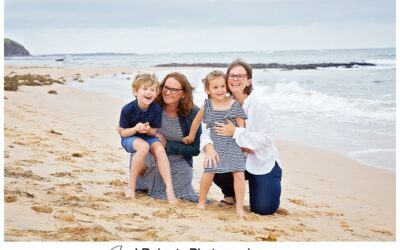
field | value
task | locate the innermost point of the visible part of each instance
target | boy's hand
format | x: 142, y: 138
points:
x: 145, y: 129
x: 119, y: 129
x: 140, y: 127
x: 188, y: 139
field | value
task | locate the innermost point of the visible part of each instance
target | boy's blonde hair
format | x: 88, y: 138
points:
x: 145, y: 79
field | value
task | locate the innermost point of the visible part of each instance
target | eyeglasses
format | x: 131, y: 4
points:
x: 172, y: 90
x: 239, y: 76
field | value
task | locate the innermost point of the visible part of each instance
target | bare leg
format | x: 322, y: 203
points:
x: 239, y: 185
x: 142, y: 148
x: 163, y: 167
x: 205, y: 184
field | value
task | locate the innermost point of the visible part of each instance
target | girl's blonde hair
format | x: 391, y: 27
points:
x: 212, y: 76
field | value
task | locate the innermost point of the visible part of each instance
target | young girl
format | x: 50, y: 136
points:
x: 217, y: 108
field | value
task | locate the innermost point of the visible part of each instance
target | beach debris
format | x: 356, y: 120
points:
x: 42, y: 209
x: 52, y: 91
x: 77, y: 78
x: 167, y: 212
x: 77, y: 154
x: 298, y: 202
x: 55, y: 132
x: 117, y: 182
x: 282, y: 211
x: 12, y: 82
x: 61, y: 174
x: 10, y: 198
x: 270, y: 237
x: 382, y: 231
x: 65, y: 217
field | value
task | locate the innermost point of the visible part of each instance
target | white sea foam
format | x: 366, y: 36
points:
x: 292, y: 97
x: 382, y: 61
x: 378, y: 157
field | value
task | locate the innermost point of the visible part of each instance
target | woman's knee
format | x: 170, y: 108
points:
x: 265, y: 193
x: 265, y: 208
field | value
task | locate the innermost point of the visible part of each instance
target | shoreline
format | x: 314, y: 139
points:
x: 325, y: 196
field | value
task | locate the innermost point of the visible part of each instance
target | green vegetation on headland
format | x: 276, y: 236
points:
x: 12, y: 48
x: 11, y: 82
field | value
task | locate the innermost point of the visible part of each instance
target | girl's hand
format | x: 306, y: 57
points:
x: 188, y: 139
x: 211, y: 158
x: 227, y: 129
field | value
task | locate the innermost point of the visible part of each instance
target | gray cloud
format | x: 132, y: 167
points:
x: 48, y: 26
x: 42, y: 14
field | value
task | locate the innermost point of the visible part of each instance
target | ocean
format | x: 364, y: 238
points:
x: 347, y: 110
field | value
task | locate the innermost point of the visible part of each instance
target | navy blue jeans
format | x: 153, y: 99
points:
x: 264, y: 190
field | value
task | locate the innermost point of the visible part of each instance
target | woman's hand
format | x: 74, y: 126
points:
x: 162, y: 139
x: 227, y: 129
x: 247, y: 150
x: 211, y: 158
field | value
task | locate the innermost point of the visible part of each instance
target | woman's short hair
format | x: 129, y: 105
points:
x: 249, y: 72
x: 186, y: 104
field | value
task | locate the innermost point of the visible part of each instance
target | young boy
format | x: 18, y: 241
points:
x: 138, y: 121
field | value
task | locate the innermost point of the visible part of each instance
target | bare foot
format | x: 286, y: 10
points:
x: 171, y: 197
x: 201, y: 206
x: 172, y: 200
x: 129, y: 193
x: 240, y: 212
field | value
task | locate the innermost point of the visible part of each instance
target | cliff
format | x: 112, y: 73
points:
x: 12, y: 48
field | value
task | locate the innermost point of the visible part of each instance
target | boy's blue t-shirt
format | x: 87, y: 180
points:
x: 131, y: 114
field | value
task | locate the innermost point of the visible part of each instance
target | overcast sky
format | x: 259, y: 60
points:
x: 151, y: 26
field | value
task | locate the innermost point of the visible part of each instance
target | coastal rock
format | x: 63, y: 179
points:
x: 12, y: 48
x: 272, y: 65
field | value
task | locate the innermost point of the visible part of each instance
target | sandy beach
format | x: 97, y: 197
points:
x: 64, y: 174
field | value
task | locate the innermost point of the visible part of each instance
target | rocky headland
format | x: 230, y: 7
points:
x: 12, y: 48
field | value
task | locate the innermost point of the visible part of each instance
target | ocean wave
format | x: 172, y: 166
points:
x: 292, y: 97
x: 382, y: 61
x: 376, y: 157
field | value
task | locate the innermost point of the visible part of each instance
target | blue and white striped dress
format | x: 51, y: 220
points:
x: 230, y: 154
x: 181, y: 172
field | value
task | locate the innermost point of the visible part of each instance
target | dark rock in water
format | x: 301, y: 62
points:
x: 60, y: 60
x: 12, y: 48
x: 272, y: 65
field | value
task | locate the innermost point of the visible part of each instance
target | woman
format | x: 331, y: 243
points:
x: 176, y: 100
x: 262, y: 162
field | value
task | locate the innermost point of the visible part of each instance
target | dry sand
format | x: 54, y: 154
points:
x: 64, y: 172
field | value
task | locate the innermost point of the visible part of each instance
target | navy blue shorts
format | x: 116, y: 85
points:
x: 127, y: 142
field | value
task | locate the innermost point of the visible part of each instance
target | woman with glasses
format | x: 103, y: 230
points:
x: 176, y: 100
x: 256, y: 139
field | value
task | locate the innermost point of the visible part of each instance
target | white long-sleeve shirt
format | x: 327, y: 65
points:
x: 257, y: 136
